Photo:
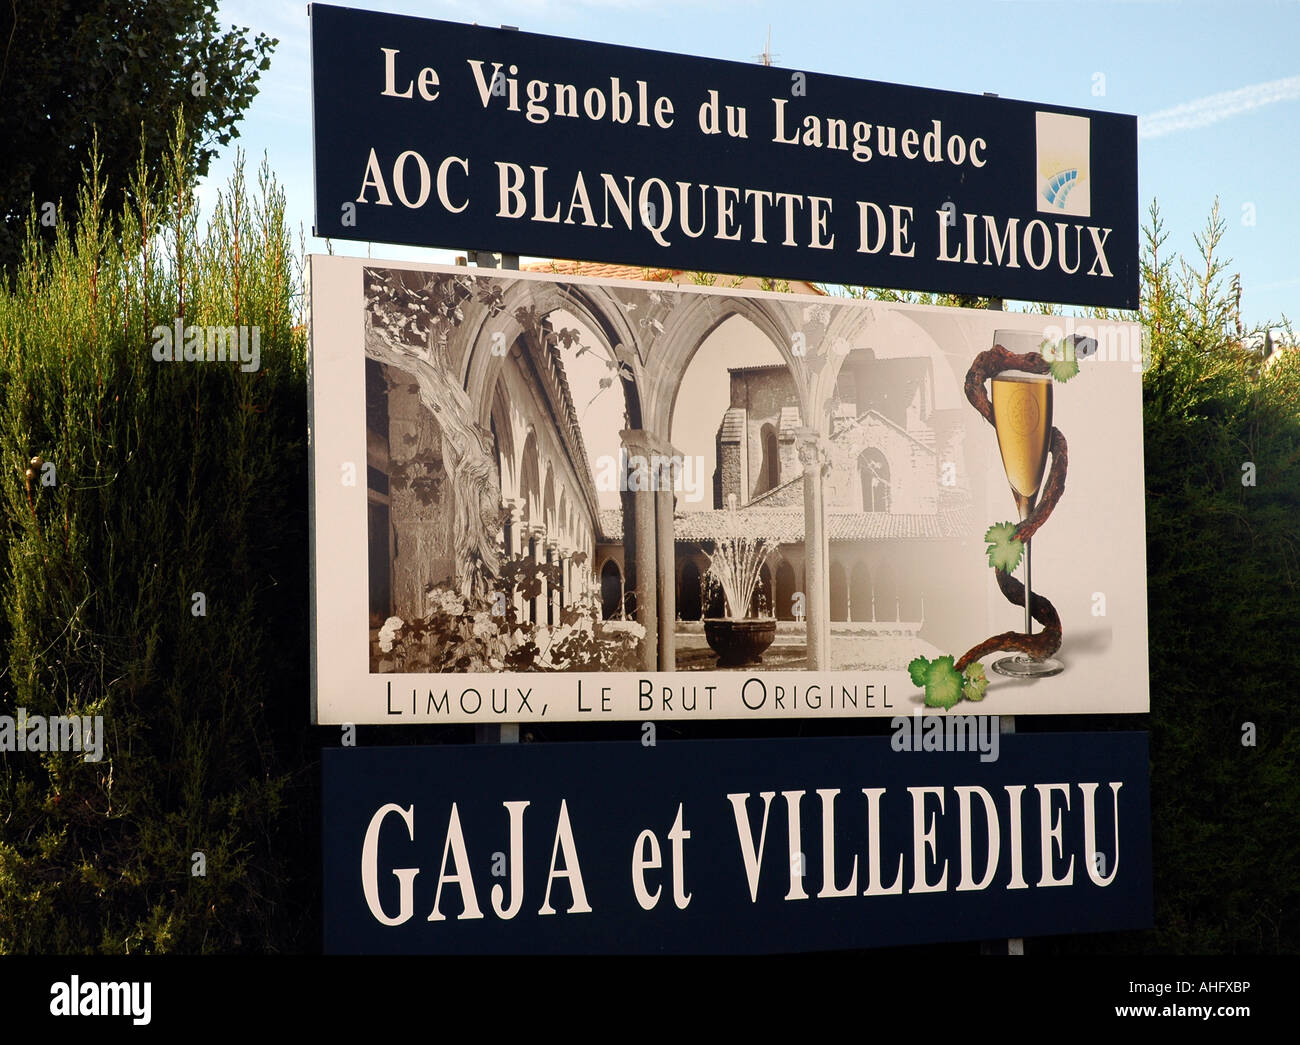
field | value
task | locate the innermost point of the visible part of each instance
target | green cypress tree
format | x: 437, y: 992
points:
x: 1222, y: 463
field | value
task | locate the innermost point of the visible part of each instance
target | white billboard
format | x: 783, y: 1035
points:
x: 544, y: 497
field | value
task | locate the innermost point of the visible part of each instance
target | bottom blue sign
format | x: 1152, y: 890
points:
x: 731, y: 846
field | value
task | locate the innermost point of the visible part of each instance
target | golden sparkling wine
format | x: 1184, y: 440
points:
x: 1022, y: 416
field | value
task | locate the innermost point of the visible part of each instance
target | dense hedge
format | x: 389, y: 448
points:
x: 170, y: 479
x: 176, y: 479
x: 1223, y: 565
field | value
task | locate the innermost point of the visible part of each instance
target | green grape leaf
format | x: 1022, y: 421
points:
x: 917, y: 669
x: 976, y: 682
x: 942, y: 683
x: 1004, y: 550
x: 1063, y: 370
x: 1062, y: 351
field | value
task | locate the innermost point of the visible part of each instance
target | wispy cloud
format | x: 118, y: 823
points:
x: 1215, y: 107
x: 1277, y: 284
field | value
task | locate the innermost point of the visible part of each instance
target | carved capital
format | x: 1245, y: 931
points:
x: 647, y: 444
x: 811, y: 447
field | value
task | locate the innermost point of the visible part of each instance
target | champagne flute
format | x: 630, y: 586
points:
x: 1022, y: 417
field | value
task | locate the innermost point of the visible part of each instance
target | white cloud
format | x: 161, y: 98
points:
x: 1276, y: 285
x: 1215, y: 107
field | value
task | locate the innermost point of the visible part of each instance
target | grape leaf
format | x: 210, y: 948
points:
x: 976, y: 682
x: 1063, y: 370
x: 917, y: 669
x: 1004, y: 550
x: 942, y: 683
x: 943, y: 686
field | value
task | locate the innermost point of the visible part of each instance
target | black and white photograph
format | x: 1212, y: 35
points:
x: 571, y: 473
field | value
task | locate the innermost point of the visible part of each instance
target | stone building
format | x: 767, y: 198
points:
x: 896, y: 506
x: 837, y: 455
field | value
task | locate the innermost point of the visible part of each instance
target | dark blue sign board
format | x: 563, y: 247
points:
x: 435, y: 133
x: 735, y: 846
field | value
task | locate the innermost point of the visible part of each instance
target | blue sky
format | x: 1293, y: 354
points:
x: 1216, y: 85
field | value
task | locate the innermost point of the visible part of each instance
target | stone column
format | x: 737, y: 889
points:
x: 538, y: 615
x: 508, y: 526
x: 556, y: 602
x: 547, y: 610
x: 666, y: 575
x: 812, y: 456
x: 426, y: 553
x: 638, y: 445
x: 826, y: 558
x: 515, y: 543
x: 527, y: 550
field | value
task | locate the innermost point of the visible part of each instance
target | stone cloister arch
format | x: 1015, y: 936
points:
x: 512, y: 335
x: 688, y: 326
x: 653, y: 333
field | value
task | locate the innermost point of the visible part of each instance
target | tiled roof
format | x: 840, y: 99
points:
x: 598, y: 270
x: 646, y: 273
x: 611, y: 525
x: 785, y: 525
x: 770, y: 495
x: 732, y: 429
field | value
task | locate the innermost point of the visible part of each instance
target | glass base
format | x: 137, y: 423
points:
x: 1022, y: 667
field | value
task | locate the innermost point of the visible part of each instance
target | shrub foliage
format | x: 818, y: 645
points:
x: 169, y: 479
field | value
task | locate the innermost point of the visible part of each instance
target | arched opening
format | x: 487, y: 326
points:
x: 611, y: 591
x: 733, y: 367
x: 690, y: 603
x: 587, y: 330
x: 769, y: 472
x: 548, y: 505
x: 729, y: 386
x: 860, y: 592
x: 839, y: 593
x: 873, y: 472
x: 715, y: 603
x: 565, y: 528
x: 785, y: 589
x: 760, y: 603
x: 503, y: 440
x: 530, y: 484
